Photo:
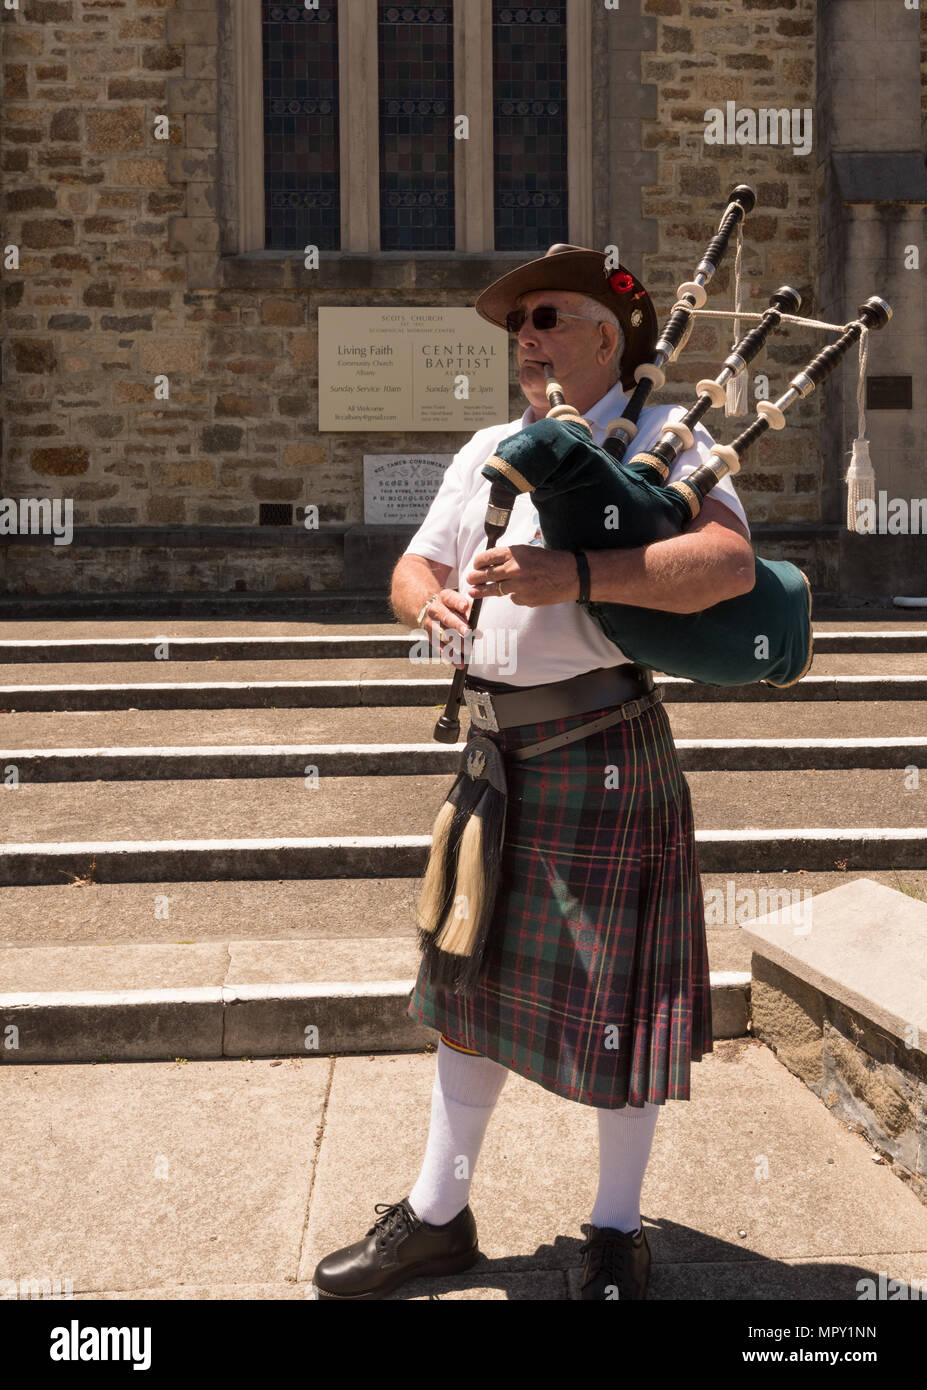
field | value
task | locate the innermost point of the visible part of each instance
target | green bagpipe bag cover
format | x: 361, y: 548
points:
x: 586, y: 500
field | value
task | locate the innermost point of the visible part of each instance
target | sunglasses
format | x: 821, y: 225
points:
x: 544, y: 317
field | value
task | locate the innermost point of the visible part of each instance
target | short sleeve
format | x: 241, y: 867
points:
x: 439, y: 536
x: 436, y: 538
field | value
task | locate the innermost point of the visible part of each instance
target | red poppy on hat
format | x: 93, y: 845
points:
x: 621, y: 282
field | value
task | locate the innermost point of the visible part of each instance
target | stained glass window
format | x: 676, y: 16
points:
x: 301, y: 141
x: 529, y: 126
x: 416, y: 94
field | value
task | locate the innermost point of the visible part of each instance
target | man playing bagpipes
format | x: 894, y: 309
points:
x: 597, y: 983
x: 561, y: 916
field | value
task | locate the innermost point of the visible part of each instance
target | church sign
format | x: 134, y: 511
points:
x: 411, y: 369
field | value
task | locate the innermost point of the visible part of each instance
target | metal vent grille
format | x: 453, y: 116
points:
x: 275, y: 514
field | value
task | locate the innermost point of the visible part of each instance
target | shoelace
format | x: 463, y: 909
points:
x: 610, y: 1251
x: 394, y: 1215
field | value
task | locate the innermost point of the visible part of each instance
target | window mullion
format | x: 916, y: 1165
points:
x: 249, y: 76
x: 359, y: 125
x: 579, y: 121
x: 473, y: 98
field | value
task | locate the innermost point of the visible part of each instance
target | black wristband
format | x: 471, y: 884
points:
x: 585, y: 578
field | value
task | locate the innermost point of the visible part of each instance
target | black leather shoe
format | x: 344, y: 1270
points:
x: 617, y: 1264
x: 398, y: 1246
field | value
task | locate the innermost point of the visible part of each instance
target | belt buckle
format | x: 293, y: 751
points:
x: 482, y: 714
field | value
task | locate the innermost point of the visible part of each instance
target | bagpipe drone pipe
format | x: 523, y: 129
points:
x: 587, y: 498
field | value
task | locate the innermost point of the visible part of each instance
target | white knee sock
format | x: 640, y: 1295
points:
x: 464, y: 1094
x: 625, y: 1139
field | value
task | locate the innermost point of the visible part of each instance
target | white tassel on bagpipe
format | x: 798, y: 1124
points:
x: 735, y: 392
x: 860, y: 478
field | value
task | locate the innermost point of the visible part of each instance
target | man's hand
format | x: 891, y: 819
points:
x: 448, y: 613
x: 415, y: 579
x: 529, y: 575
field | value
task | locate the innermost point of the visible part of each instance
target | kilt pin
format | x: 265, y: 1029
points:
x: 596, y: 979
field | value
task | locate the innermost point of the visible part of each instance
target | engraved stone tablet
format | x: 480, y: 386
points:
x: 399, y: 488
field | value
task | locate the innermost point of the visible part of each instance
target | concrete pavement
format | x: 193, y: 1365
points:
x: 231, y: 1179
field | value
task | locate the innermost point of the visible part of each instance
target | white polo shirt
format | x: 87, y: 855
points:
x: 531, y: 646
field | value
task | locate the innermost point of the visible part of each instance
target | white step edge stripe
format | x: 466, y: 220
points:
x: 422, y: 841
x: 230, y: 994
x: 309, y: 749
x: 348, y: 639
x: 206, y: 994
x: 237, y: 685
x: 297, y: 749
x: 441, y: 682
x: 284, y: 842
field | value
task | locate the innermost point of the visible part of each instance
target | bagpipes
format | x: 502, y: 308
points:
x: 580, y: 490
x: 588, y: 499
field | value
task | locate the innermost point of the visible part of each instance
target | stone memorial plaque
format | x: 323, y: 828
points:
x: 411, y: 369
x: 399, y: 488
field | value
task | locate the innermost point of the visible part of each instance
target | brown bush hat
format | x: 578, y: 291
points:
x: 578, y: 268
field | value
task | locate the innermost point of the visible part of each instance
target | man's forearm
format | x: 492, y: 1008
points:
x: 412, y: 585
x: 684, y: 574
x: 408, y: 594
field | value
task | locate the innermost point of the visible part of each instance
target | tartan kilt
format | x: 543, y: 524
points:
x: 595, y: 983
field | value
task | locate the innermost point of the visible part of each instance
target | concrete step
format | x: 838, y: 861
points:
x: 146, y: 630
x: 129, y: 1002
x: 336, y: 909
x: 178, y: 669
x: 393, y: 642
x: 431, y: 690
x: 161, y: 912
x: 244, y: 670
x: 828, y: 642
x: 132, y: 1002
x: 394, y: 805
x: 415, y: 724
x: 853, y: 986
x: 229, y: 626
x: 414, y: 759
x: 327, y: 605
x: 134, y: 728
x: 383, y: 856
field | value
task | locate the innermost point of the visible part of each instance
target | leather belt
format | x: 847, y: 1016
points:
x: 495, y: 706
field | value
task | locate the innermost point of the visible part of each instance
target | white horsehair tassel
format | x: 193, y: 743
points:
x: 735, y: 400
x: 860, y: 478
